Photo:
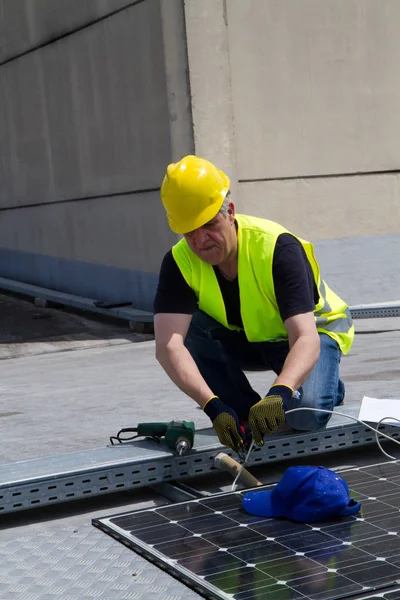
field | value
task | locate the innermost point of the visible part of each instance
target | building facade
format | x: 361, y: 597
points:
x: 298, y: 100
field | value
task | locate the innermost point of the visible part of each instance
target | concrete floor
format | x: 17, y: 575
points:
x: 53, y: 400
x: 68, y: 382
x: 27, y: 330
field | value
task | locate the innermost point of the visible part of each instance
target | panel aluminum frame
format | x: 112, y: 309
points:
x: 349, y: 557
x: 183, y: 575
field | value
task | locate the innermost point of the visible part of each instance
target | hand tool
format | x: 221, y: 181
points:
x: 178, y: 435
x: 223, y: 462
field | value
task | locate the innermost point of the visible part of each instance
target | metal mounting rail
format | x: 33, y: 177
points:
x: 359, y: 311
x: 66, y: 477
x: 127, y: 313
x: 374, y: 311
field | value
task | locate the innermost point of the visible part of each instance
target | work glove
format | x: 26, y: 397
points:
x: 226, y: 423
x: 269, y: 413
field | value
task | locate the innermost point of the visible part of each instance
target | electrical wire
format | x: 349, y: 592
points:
x: 331, y: 412
x: 117, y: 438
x: 380, y: 433
x: 375, y: 429
x: 242, y: 466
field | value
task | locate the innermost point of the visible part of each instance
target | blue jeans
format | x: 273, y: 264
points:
x: 221, y: 355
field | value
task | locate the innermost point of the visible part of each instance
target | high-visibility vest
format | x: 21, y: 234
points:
x: 258, y: 306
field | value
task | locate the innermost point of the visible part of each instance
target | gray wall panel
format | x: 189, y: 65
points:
x: 354, y: 223
x: 362, y: 270
x: 129, y: 232
x: 88, y: 280
x: 28, y: 23
x: 87, y: 115
x: 105, y: 248
x: 315, y: 86
x: 177, y: 78
x: 332, y: 207
x: 265, y: 88
x: 210, y: 82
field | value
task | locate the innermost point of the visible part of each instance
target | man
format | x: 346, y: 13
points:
x: 238, y: 292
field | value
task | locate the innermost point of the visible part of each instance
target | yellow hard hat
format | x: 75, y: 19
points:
x: 192, y: 192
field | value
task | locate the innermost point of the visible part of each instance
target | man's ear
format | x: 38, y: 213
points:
x: 231, y: 210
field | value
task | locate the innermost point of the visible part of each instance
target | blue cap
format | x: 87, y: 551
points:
x: 304, y: 494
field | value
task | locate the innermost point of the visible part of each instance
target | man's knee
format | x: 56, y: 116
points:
x: 313, y: 418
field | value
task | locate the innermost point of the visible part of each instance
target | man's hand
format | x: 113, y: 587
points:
x: 268, y: 414
x: 225, y: 422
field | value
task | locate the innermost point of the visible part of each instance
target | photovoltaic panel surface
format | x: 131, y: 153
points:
x: 224, y: 553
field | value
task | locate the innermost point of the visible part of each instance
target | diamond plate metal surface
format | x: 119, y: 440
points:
x: 76, y: 563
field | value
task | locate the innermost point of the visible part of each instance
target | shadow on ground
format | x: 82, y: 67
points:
x: 27, y: 330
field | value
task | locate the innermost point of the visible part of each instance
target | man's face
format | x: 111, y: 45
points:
x: 215, y: 241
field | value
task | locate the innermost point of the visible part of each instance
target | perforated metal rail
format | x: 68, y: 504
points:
x: 375, y: 311
x: 361, y: 311
x: 44, y: 482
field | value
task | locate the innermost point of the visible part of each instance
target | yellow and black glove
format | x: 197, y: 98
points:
x: 225, y: 422
x: 269, y: 413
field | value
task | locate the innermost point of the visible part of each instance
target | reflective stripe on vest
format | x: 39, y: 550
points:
x: 258, y: 306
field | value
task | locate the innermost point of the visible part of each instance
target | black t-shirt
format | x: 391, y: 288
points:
x: 295, y: 289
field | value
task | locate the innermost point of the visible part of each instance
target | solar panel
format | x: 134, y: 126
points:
x: 222, y: 552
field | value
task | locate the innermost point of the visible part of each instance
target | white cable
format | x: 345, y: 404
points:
x: 377, y: 439
x: 377, y: 432
x: 331, y: 412
x: 242, y: 466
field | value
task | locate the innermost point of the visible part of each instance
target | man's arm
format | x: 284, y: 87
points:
x: 296, y: 295
x: 269, y: 413
x: 170, y: 332
x: 174, y: 305
x: 304, y: 344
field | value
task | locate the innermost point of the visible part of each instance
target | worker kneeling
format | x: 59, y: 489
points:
x: 242, y: 293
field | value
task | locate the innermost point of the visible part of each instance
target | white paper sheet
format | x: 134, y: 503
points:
x: 374, y: 409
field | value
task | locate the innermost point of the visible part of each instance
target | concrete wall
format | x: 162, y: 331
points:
x: 210, y: 82
x: 86, y: 136
x: 296, y: 100
x: 299, y: 100
x: 25, y: 24
x: 316, y: 91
